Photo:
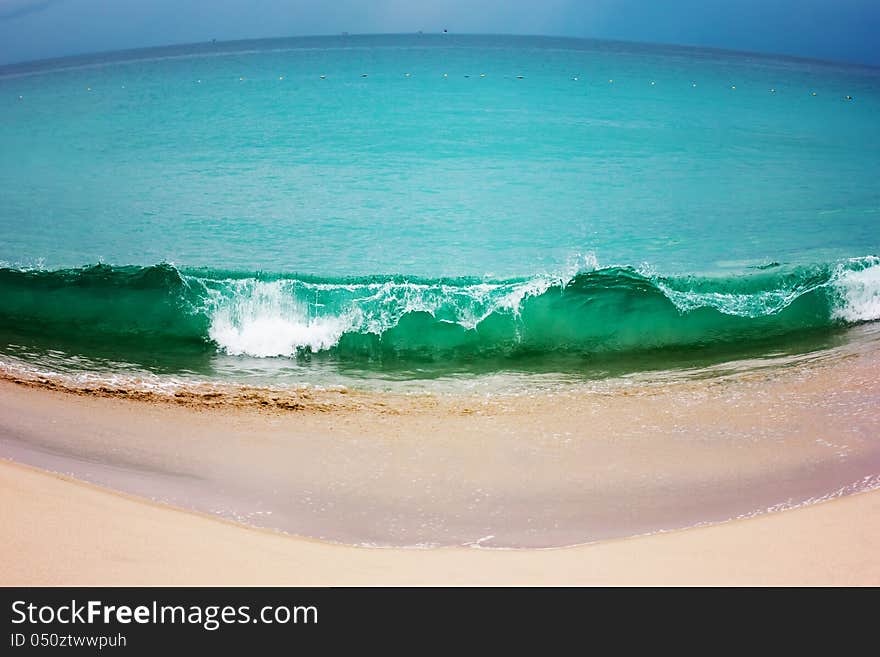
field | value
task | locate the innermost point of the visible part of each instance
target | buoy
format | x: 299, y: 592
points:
x: 21, y: 97
x: 575, y: 78
x: 241, y: 79
x: 610, y: 81
x: 280, y: 77
x: 199, y: 81
x: 813, y: 93
x: 407, y: 74
x: 88, y: 88
x: 482, y: 75
x: 446, y: 75
x: 773, y: 91
x: 653, y: 83
x: 847, y: 97
x: 733, y: 86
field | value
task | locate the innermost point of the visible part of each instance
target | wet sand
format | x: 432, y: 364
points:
x: 56, y: 531
x: 575, y: 466
x: 540, y: 470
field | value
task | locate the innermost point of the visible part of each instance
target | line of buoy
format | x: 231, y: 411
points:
x: 575, y: 78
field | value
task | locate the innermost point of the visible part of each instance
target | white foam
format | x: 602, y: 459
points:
x: 859, y: 291
x: 265, y: 337
x: 741, y: 305
x: 856, y: 282
x: 264, y: 319
x: 267, y: 319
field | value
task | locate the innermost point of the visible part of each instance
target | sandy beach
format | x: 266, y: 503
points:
x: 56, y: 531
x: 103, y: 485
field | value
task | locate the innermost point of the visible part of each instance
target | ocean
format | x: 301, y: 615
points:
x: 414, y: 210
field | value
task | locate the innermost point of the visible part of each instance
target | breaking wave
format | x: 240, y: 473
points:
x: 600, y: 311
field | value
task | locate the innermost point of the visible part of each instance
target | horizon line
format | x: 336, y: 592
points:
x: 183, y: 44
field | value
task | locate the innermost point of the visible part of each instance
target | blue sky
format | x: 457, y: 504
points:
x: 844, y: 30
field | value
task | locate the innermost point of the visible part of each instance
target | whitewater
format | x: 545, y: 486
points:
x: 418, y: 206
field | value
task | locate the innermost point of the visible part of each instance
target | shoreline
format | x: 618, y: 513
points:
x: 57, y: 531
x: 862, y: 342
x: 525, y: 471
x: 163, y: 492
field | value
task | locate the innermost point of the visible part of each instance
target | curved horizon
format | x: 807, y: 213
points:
x: 36, y: 30
x: 85, y: 55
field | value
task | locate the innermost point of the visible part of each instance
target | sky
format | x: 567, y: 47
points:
x: 844, y: 30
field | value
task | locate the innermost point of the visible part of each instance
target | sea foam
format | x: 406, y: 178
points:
x: 859, y: 290
x: 586, y: 312
x: 265, y: 319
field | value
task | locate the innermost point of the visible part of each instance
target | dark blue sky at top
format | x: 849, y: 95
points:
x: 845, y: 30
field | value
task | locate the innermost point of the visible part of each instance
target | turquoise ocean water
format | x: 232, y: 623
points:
x: 360, y: 208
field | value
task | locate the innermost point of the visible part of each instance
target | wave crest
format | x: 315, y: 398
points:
x: 602, y: 310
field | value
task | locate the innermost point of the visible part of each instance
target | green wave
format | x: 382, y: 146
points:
x: 106, y: 302
x: 607, y: 311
